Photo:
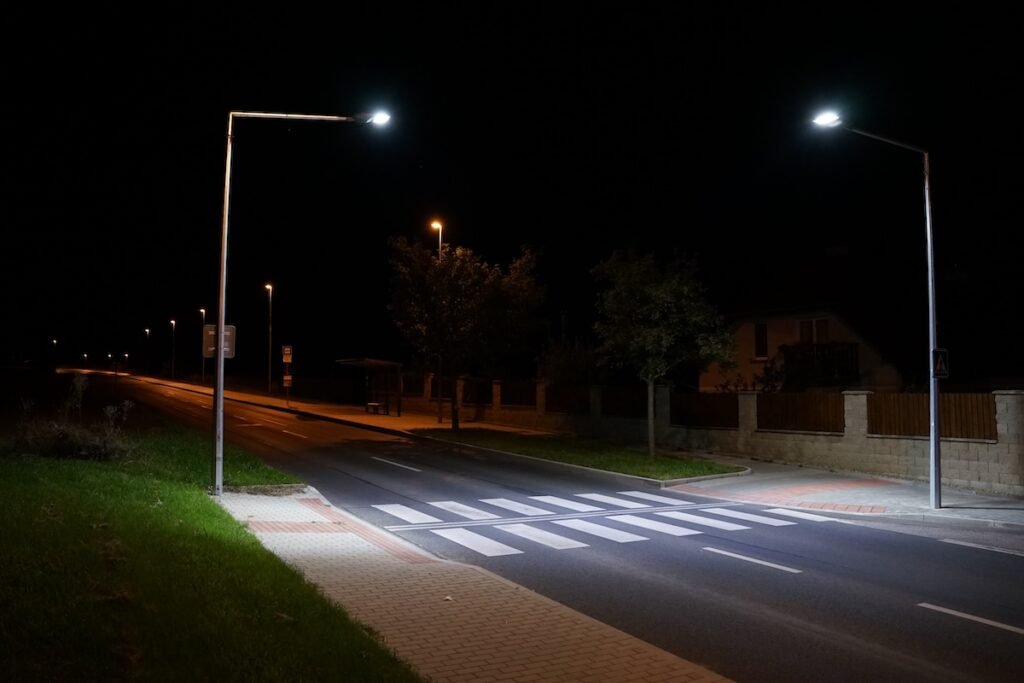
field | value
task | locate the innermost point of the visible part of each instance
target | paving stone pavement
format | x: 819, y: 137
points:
x: 451, y: 622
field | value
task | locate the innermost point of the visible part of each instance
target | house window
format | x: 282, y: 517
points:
x: 814, y: 331
x: 760, y: 341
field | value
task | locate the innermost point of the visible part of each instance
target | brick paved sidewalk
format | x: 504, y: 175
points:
x: 450, y: 621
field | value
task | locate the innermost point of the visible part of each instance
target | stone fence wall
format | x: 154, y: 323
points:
x: 984, y: 465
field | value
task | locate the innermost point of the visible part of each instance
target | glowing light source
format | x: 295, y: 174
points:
x: 380, y: 118
x: 829, y: 119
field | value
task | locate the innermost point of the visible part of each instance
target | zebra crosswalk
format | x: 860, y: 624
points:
x: 495, y: 527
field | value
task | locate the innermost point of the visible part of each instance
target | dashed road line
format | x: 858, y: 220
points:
x: 972, y: 617
x: 396, y: 464
x: 979, y: 546
x: 754, y: 560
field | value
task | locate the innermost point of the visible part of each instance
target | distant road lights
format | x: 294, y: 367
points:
x: 54, y: 342
x: 380, y: 118
x: 85, y: 356
x: 147, y: 333
x: 174, y: 329
x: 439, y: 226
x: 202, y: 354
x: 830, y: 119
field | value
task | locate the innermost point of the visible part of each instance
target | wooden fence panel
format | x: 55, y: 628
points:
x: 706, y: 410
x: 806, y: 412
x: 961, y: 416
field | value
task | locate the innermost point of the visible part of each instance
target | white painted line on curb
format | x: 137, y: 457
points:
x: 760, y: 519
x: 396, y: 464
x: 800, y: 515
x: 406, y: 513
x: 540, y: 536
x: 611, y: 500
x: 521, y: 508
x: 463, y: 510
x: 655, y: 498
x: 705, y: 521
x: 476, y: 542
x: 570, y: 504
x: 655, y: 525
x: 599, y: 531
x: 985, y: 547
x: 755, y: 561
x: 971, y: 617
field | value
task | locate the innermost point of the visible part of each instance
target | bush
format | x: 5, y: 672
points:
x: 62, y: 438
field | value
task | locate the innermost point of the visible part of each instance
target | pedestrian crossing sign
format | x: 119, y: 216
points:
x: 940, y: 363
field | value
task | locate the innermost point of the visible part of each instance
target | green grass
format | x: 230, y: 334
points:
x: 587, y: 452
x: 126, y: 569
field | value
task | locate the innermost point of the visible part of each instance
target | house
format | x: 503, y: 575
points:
x: 810, y: 349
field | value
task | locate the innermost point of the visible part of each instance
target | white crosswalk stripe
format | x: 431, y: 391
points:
x: 540, y: 536
x: 476, y: 542
x: 800, y: 515
x: 612, y: 500
x: 704, y: 521
x: 407, y: 513
x: 655, y: 525
x: 600, y: 531
x: 657, y: 499
x: 736, y: 514
x: 521, y: 508
x: 565, y: 503
x: 463, y: 510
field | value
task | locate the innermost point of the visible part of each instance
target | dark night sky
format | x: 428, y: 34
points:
x: 576, y: 131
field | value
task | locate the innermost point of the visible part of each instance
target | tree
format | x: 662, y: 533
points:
x: 460, y: 309
x: 653, y: 318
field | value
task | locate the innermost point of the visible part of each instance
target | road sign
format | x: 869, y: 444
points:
x: 210, y: 341
x: 286, y: 353
x: 287, y: 380
x: 940, y: 363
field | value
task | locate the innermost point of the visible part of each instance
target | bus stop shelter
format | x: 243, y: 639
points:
x: 383, y: 383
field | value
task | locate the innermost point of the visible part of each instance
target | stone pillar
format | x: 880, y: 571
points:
x: 542, y: 396
x: 496, y: 394
x: 428, y: 382
x: 662, y: 408
x: 460, y: 385
x: 855, y: 413
x: 747, y: 408
x: 1009, y: 466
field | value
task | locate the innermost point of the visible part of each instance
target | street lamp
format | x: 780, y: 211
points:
x: 270, y: 331
x: 831, y: 119
x: 437, y: 225
x: 379, y: 119
x: 174, y: 328
x: 202, y: 355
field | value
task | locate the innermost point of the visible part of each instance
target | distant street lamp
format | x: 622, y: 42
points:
x: 202, y: 354
x: 174, y: 328
x: 437, y: 225
x: 830, y: 119
x: 270, y: 331
x: 379, y: 119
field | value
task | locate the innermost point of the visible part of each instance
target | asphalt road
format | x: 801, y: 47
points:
x: 753, y: 592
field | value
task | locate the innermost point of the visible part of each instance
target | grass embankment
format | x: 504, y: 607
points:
x: 126, y: 569
x: 587, y: 452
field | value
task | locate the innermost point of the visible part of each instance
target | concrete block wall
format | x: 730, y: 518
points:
x: 991, y: 466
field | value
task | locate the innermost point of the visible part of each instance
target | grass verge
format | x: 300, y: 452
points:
x: 126, y: 569
x: 586, y: 452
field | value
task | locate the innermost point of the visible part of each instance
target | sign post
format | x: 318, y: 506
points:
x: 286, y: 356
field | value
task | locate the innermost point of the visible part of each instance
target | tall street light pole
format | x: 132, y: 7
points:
x: 379, y: 119
x: 832, y: 120
x: 173, y: 338
x: 270, y: 331
x: 202, y: 356
x: 439, y: 226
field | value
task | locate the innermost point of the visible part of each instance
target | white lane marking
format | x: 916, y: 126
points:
x: 521, y: 508
x: 463, y: 510
x: 301, y: 436
x: 476, y: 542
x: 801, y: 515
x: 656, y: 499
x: 694, y: 519
x: 993, y: 548
x: 755, y: 561
x: 563, y: 503
x: 396, y: 464
x: 598, y: 530
x: 205, y: 405
x: 760, y: 519
x: 540, y: 536
x: 611, y: 500
x: 971, y: 617
x: 655, y: 525
x: 273, y: 422
x: 407, y: 513
x: 250, y: 424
